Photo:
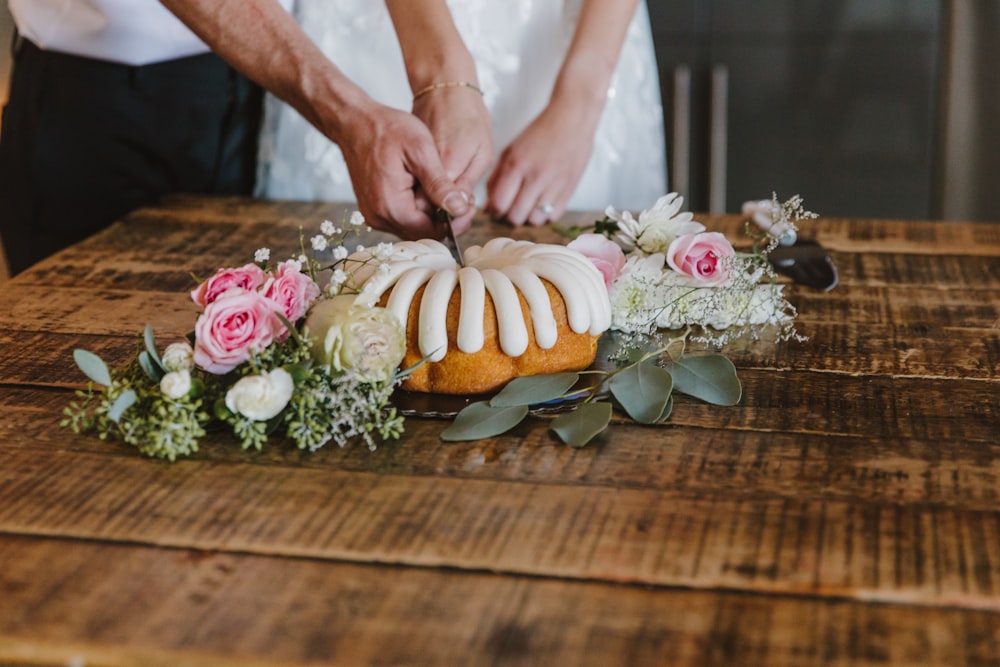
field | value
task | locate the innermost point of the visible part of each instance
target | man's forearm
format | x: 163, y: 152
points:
x: 262, y: 40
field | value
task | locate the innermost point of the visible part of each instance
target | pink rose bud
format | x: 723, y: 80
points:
x: 291, y: 290
x: 702, y: 257
x: 248, y: 277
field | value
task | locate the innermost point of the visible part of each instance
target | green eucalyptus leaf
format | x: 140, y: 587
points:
x: 153, y: 371
x: 642, y: 390
x: 150, y: 340
x: 579, y: 427
x: 480, y: 420
x: 92, y: 367
x: 534, y: 389
x: 121, y: 404
x: 667, y: 409
x: 712, y: 378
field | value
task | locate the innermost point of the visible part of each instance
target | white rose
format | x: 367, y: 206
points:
x: 351, y: 336
x: 178, y: 357
x: 261, y: 397
x: 176, y: 384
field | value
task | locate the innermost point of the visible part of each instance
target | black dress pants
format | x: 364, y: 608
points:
x: 86, y: 141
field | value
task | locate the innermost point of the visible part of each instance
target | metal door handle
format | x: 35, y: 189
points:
x: 718, y: 140
x: 680, y: 165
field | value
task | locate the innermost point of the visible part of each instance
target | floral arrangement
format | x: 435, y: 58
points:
x: 664, y: 271
x: 274, y: 353
x: 271, y: 352
x: 670, y: 282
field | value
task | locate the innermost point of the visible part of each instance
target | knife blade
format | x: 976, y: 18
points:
x: 443, y: 217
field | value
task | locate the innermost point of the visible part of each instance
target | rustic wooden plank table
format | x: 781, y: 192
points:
x: 846, y: 512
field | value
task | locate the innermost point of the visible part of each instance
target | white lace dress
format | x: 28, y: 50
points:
x: 518, y: 46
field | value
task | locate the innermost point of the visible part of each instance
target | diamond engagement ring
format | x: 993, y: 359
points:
x: 545, y: 207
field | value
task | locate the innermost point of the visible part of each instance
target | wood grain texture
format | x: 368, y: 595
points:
x: 216, y: 608
x: 845, y: 512
x: 796, y: 545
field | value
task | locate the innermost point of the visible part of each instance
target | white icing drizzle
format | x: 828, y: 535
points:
x: 432, y: 338
x: 513, y: 332
x: 470, y: 313
x: 502, y: 266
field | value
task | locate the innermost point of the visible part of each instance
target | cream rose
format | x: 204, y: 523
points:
x: 178, y: 357
x: 349, y: 336
x: 261, y: 397
x: 176, y: 384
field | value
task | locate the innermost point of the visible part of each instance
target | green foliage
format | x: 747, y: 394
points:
x: 325, y: 406
x: 579, y: 427
x: 482, y: 420
x: 642, y: 390
x: 124, y: 401
x: 92, y: 367
x: 535, y: 389
x: 642, y: 386
x: 711, y: 378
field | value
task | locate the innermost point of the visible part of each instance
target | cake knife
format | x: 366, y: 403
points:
x: 443, y: 217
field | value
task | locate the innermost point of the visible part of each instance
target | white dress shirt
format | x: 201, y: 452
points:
x: 134, y: 32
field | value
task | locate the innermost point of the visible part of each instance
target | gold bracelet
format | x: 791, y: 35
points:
x: 446, y: 84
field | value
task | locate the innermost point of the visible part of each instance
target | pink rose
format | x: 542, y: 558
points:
x: 292, y: 291
x: 248, y: 277
x: 606, y: 255
x: 236, y: 323
x: 701, y: 256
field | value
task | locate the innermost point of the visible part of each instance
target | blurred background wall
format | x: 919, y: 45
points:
x: 968, y: 175
x: 875, y: 108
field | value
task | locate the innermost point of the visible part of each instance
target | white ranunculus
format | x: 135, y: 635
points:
x: 176, y: 384
x: 178, y: 357
x: 261, y: 397
x: 351, y: 336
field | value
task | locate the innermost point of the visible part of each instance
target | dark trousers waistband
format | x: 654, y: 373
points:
x: 200, y: 70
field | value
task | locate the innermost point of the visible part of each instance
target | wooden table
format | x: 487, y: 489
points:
x: 846, y: 512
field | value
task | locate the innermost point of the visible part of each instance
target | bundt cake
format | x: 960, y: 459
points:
x: 516, y: 308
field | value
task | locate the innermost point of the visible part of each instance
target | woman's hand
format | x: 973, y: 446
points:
x: 538, y: 172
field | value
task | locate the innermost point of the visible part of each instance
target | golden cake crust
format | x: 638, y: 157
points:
x: 490, y: 368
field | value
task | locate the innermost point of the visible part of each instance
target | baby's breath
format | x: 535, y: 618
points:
x: 648, y: 296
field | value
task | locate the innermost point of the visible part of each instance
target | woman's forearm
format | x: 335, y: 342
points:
x: 593, y: 54
x: 432, y: 47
